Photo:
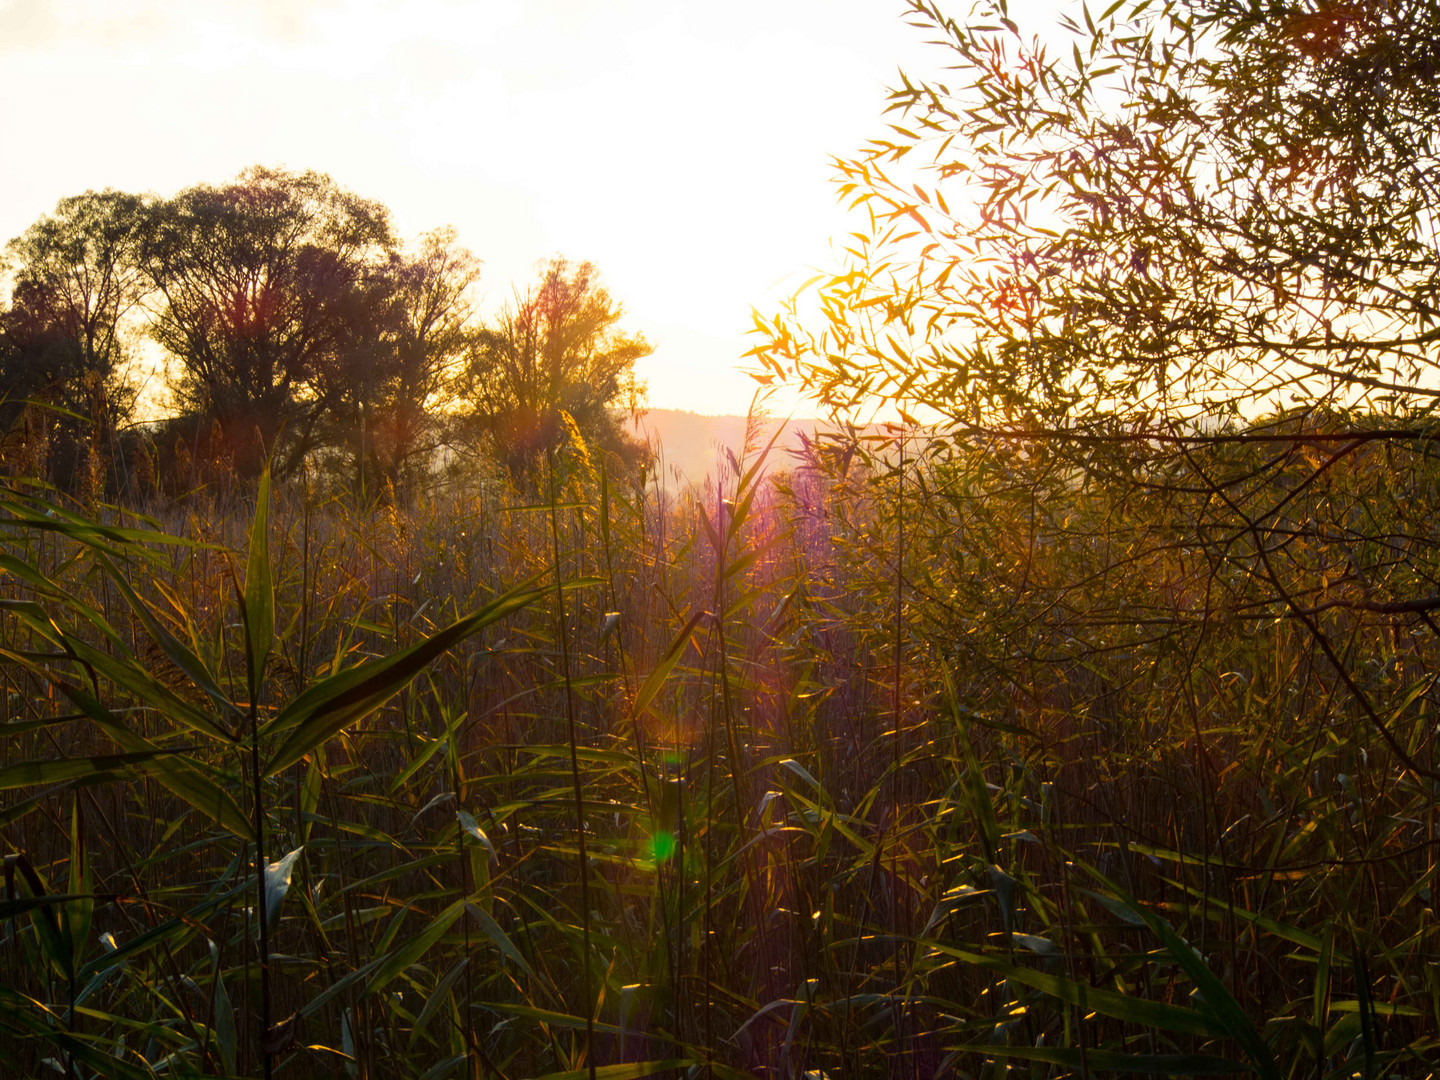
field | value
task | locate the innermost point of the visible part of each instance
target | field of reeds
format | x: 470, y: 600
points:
x: 921, y: 764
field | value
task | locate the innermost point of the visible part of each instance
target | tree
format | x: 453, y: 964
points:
x: 1166, y: 301
x: 62, y: 349
x: 1175, y: 289
x: 266, y: 287
x: 388, y: 394
x: 1206, y: 226
x: 555, y: 352
x: 1202, y: 211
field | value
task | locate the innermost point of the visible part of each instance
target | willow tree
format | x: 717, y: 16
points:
x: 1208, y: 209
x: 1164, y: 286
x: 1197, y: 227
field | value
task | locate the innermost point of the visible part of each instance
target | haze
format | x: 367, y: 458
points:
x: 682, y: 148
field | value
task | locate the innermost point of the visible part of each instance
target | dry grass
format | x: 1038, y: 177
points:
x: 1042, y: 790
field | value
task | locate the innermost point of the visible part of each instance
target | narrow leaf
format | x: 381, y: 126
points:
x: 332, y: 704
x: 666, y: 664
x: 259, y: 591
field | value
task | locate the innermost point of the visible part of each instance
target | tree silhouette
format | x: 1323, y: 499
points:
x: 62, y: 346
x: 389, y: 392
x: 555, y: 352
x: 265, y: 290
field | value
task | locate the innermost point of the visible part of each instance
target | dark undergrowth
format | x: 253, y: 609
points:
x: 914, y: 766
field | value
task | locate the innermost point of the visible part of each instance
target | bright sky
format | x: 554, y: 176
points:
x: 681, y: 147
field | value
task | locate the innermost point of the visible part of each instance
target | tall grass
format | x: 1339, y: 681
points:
x: 909, y: 765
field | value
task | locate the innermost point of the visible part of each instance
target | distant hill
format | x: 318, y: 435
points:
x: 692, y: 445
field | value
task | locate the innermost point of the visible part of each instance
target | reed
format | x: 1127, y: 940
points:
x: 784, y: 777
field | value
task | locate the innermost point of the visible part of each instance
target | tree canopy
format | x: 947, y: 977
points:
x: 389, y: 399
x: 63, y: 350
x: 295, y: 324
x: 555, y: 352
x: 1197, y: 211
x: 264, y: 288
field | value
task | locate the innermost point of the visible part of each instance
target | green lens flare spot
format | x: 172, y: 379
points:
x: 662, y: 846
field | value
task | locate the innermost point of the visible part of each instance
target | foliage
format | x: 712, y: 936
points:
x: 389, y: 399
x: 1200, y: 211
x: 555, y: 352
x: 1091, y: 731
x: 63, y: 355
x: 296, y: 329
x: 1165, y: 304
x: 264, y: 286
x: 880, y: 772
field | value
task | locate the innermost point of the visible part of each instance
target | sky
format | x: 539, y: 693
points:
x: 683, y: 148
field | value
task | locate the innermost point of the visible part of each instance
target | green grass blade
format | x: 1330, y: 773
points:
x: 632, y: 1070
x: 1114, y: 1061
x: 981, y: 805
x: 334, y: 703
x: 130, y: 675
x: 26, y: 904
x: 1214, y: 999
x: 436, y: 999
x: 171, y: 772
x: 259, y: 606
x: 176, y: 651
x: 398, y: 959
x: 27, y: 573
x: 169, y: 931
x: 666, y: 664
x: 30, y: 773
x: 1136, y: 1010
x: 491, y: 929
